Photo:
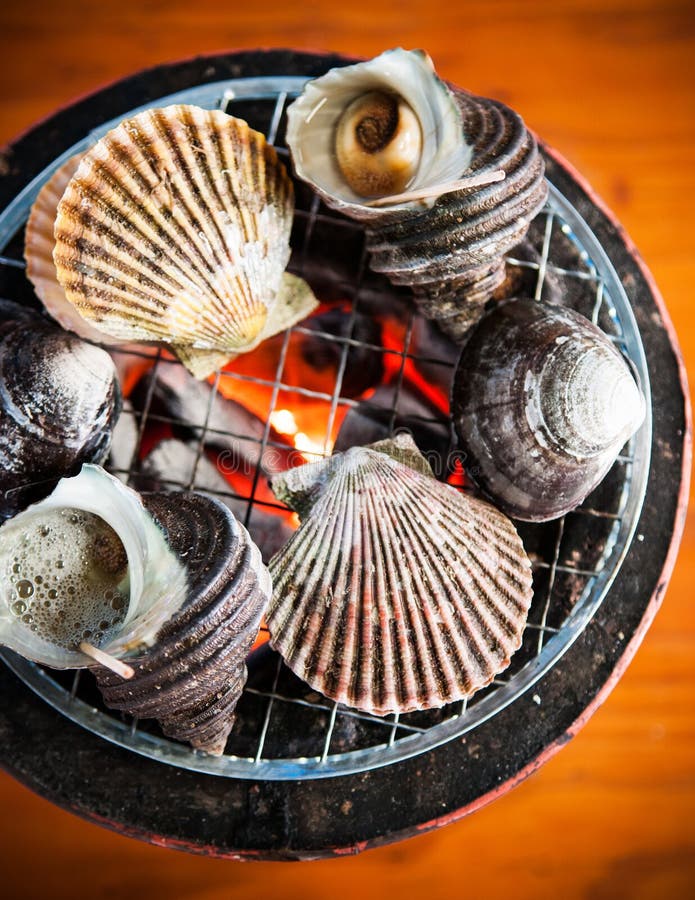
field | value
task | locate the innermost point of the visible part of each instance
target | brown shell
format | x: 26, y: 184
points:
x: 193, y: 676
x: 39, y: 244
x: 175, y: 228
x: 543, y: 403
x: 479, y: 183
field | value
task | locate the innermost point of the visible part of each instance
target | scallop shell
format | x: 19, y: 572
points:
x: 193, y: 676
x: 542, y: 403
x: 175, y: 228
x: 397, y: 593
x: 39, y: 243
x: 451, y: 253
x: 42, y: 565
x: 59, y: 400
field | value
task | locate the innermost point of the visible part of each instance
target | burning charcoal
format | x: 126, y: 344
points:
x: 371, y: 421
x: 229, y: 426
x: 171, y: 464
x: 364, y: 366
x: 435, y: 355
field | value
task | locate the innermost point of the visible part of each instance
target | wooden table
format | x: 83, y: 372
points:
x: 610, y: 85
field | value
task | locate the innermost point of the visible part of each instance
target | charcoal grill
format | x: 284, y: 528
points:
x: 302, y: 776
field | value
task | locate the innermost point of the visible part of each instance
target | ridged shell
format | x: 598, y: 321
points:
x: 397, y: 593
x: 542, y: 403
x: 59, y: 400
x: 175, y: 228
x: 193, y: 676
x: 39, y: 243
x: 451, y: 254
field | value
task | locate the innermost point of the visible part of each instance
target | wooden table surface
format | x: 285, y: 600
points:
x: 610, y: 84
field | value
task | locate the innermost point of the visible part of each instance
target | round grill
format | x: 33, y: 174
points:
x: 283, y: 729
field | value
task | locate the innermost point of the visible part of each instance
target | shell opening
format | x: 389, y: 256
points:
x: 349, y: 144
x: 378, y: 144
x: 95, y: 536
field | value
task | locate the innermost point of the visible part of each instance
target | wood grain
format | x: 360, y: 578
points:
x: 610, y: 85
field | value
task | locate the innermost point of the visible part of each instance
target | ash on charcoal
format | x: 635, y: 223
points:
x: 190, y: 406
x: 124, y: 442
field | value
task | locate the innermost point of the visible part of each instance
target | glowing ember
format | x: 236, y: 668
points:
x: 284, y: 422
x: 308, y: 448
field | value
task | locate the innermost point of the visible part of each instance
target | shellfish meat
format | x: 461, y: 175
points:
x: 59, y: 401
x: 191, y: 679
x: 87, y: 563
x: 175, y: 228
x: 445, y: 182
x: 542, y: 403
x: 397, y: 592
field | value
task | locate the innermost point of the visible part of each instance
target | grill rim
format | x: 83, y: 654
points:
x: 326, y: 765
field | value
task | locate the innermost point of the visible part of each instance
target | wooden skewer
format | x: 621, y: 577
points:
x: 106, y: 660
x: 438, y: 190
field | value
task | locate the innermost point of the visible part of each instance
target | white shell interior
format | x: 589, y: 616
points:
x: 312, y: 120
x: 157, y: 578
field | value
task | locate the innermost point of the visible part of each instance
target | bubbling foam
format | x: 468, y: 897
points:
x: 67, y: 578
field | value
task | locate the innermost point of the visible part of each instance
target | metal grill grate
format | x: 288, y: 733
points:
x: 283, y: 729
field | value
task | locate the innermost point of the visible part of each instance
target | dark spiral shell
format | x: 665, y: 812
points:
x: 191, y: 679
x: 452, y: 256
x: 59, y: 400
x: 448, y: 245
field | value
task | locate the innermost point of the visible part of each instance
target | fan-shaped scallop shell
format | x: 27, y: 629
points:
x: 192, y: 677
x: 397, y: 592
x: 542, y: 403
x: 451, y: 253
x: 175, y: 228
x: 59, y: 400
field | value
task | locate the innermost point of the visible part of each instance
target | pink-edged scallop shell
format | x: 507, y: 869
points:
x: 175, y: 228
x: 39, y: 244
x: 397, y: 593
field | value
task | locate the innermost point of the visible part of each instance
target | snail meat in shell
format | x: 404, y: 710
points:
x: 445, y: 182
x: 86, y: 563
x: 191, y: 679
x: 170, y: 583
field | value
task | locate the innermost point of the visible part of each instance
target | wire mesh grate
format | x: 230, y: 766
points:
x: 284, y: 730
